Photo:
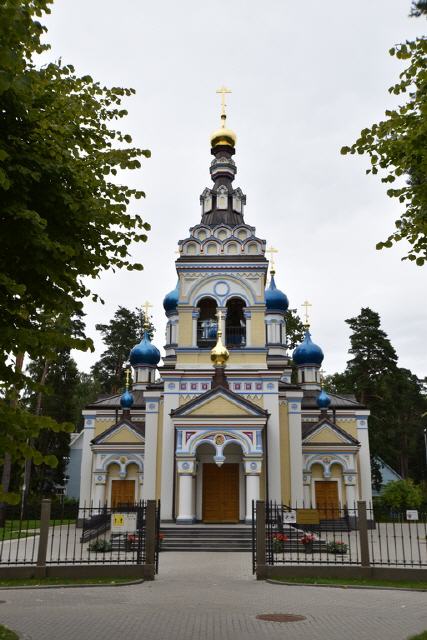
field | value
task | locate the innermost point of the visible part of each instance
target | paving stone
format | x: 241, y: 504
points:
x: 204, y: 596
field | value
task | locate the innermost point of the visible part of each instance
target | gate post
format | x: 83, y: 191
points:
x: 44, y: 532
x: 150, y: 538
x: 260, y: 556
x: 363, y: 533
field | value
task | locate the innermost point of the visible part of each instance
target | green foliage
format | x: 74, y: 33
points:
x: 393, y: 394
x: 397, y: 148
x: 402, y: 494
x: 64, y: 212
x: 337, y: 547
x: 100, y: 546
x: 120, y: 335
x: 294, y: 329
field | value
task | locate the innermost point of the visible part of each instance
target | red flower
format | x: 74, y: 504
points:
x: 307, y: 538
x: 280, y: 537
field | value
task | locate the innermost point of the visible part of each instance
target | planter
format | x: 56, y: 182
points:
x: 308, y: 547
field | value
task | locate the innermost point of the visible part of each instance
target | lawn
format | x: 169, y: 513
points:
x: 7, y: 634
x: 421, y: 636
x: 16, y: 529
x: 402, y: 584
x: 36, y: 582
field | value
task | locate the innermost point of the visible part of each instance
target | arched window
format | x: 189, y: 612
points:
x: 235, y: 324
x: 207, y: 323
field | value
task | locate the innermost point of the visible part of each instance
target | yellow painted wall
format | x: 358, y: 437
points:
x: 349, y: 426
x: 203, y: 357
x: 326, y: 435
x: 336, y: 471
x: 113, y: 471
x: 185, y: 337
x: 317, y: 472
x: 218, y: 407
x: 102, y: 425
x: 159, y: 450
x: 285, y: 463
x: 258, y: 328
x: 124, y: 435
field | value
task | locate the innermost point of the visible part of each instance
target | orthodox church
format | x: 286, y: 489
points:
x: 223, y: 421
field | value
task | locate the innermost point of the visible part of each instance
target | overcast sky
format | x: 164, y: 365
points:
x: 306, y: 78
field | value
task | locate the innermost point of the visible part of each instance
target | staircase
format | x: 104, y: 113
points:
x: 233, y: 538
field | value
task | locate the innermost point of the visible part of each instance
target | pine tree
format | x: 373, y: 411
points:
x: 120, y: 335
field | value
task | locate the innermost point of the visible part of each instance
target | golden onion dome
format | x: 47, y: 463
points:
x: 223, y: 135
x: 219, y: 353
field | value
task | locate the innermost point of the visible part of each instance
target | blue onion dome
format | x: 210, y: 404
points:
x: 308, y: 352
x: 144, y: 353
x: 275, y: 300
x: 170, y: 301
x: 126, y: 399
x: 323, y: 400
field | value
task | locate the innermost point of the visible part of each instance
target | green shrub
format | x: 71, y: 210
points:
x: 337, y: 546
x: 100, y: 546
x: 401, y: 495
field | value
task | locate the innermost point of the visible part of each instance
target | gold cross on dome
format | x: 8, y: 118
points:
x: 223, y: 91
x: 146, y: 306
x: 272, y: 251
x: 306, y: 304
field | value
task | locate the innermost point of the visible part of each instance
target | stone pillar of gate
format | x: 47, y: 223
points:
x: 252, y: 475
x: 186, y: 492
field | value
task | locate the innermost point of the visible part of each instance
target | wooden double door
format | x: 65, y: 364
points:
x: 122, y: 492
x: 327, y: 502
x: 220, y: 493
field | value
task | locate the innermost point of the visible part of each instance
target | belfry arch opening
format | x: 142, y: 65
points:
x: 207, y: 323
x: 235, y: 324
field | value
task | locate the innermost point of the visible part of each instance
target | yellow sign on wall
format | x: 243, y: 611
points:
x: 118, y: 520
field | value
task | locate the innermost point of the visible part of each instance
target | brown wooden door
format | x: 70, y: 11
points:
x: 221, y: 493
x: 327, y: 501
x: 122, y: 492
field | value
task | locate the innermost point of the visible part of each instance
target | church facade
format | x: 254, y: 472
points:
x: 230, y: 416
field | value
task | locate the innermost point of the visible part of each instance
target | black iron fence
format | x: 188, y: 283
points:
x: 128, y: 534
x: 333, y: 535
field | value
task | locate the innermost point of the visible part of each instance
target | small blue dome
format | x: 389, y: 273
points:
x: 170, y: 301
x: 308, y: 352
x: 323, y: 400
x: 126, y: 400
x: 275, y: 300
x: 144, y: 353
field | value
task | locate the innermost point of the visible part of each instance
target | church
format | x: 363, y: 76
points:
x: 230, y: 416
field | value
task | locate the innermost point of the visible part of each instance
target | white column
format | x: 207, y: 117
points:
x: 171, y: 401
x: 247, y: 314
x: 186, y: 503
x: 86, y: 467
x: 252, y: 471
x: 295, y: 445
x: 99, y: 497
x: 350, y: 491
x: 364, y: 458
x: 271, y: 404
x: 194, y: 316
x: 307, y: 490
x: 150, y: 452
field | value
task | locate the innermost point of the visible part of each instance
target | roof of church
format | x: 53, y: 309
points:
x: 138, y: 428
x: 113, y: 402
x: 110, y: 402
x: 211, y: 393
x: 342, y: 401
x: 308, y: 428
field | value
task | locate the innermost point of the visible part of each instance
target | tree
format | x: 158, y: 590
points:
x: 120, y: 335
x: 294, y: 329
x: 402, y: 494
x: 393, y: 395
x: 64, y: 214
x: 58, y: 401
x: 397, y: 147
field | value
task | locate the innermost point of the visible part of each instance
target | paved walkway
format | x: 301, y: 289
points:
x: 202, y: 596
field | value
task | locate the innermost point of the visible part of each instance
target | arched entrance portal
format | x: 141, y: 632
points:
x: 220, y: 488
